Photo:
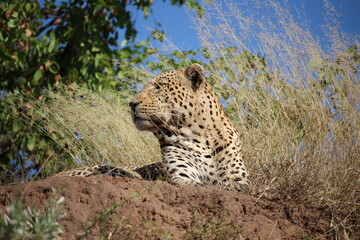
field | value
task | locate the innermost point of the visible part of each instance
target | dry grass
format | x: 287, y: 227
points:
x: 299, y: 114
x: 98, y: 129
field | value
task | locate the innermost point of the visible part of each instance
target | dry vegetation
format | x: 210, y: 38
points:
x: 98, y: 129
x: 298, y: 114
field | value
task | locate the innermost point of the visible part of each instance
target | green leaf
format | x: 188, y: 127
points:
x: 101, y: 3
x: 84, y: 71
x: 73, y: 73
x: 99, y: 75
x: 54, y: 67
x: 98, y: 58
x: 15, y: 14
x: 124, y: 54
x: 123, y: 43
x: 21, y: 80
x: 11, y: 23
x: 30, y: 144
x: 142, y: 43
x: 42, y: 144
x: 51, y: 46
x: 95, y: 49
x: 16, y: 127
x: 28, y: 6
x: 36, y: 78
x: 146, y: 11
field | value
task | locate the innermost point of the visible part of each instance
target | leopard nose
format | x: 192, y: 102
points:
x: 133, y: 105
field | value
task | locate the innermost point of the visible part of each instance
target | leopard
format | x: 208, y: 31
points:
x: 199, y: 144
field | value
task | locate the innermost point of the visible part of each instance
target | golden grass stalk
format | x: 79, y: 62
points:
x: 298, y: 114
x: 98, y: 129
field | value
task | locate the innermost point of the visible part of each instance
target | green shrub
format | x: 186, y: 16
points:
x: 29, y: 223
x: 60, y: 45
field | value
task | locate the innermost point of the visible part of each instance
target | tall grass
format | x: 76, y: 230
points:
x: 97, y: 129
x: 294, y: 98
x: 296, y: 104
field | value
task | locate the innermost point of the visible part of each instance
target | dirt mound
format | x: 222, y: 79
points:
x: 136, y: 209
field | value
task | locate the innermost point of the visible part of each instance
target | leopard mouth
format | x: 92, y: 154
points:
x: 141, y: 123
x: 146, y: 124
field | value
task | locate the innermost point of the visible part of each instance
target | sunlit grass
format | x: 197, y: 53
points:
x: 296, y: 105
x: 98, y: 129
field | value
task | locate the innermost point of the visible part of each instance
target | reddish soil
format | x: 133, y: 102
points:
x: 158, y: 210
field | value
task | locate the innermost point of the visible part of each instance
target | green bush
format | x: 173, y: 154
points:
x: 50, y: 43
x: 56, y: 46
x: 29, y: 223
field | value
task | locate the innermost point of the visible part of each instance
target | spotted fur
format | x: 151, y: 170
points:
x: 199, y: 144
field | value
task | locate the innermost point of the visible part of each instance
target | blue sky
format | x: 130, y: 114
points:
x: 179, y: 29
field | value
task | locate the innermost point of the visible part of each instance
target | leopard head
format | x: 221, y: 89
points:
x: 167, y: 99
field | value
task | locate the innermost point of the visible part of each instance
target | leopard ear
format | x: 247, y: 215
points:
x: 194, y: 73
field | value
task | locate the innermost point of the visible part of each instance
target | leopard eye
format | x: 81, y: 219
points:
x: 159, y: 85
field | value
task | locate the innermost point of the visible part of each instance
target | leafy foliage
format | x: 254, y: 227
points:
x: 45, y: 44
x: 29, y: 146
x: 29, y: 223
x: 60, y: 46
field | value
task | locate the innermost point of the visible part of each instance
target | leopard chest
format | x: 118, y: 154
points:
x: 189, y: 158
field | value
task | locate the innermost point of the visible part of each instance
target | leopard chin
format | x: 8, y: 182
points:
x: 143, y: 124
x: 152, y: 124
